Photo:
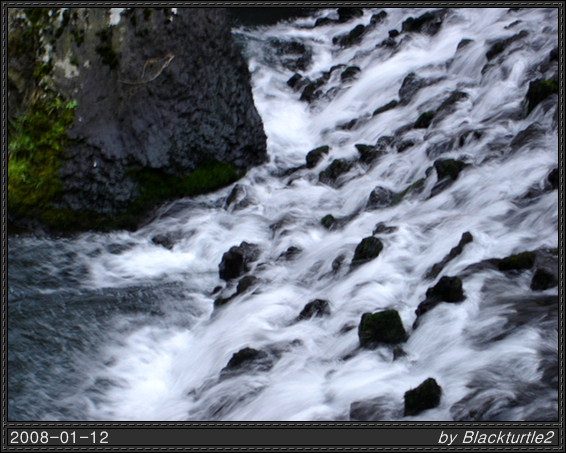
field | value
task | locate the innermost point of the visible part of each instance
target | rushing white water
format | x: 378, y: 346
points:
x: 127, y: 327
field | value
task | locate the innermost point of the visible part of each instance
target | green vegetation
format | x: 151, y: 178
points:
x: 425, y: 396
x: 36, y: 142
x: 524, y: 260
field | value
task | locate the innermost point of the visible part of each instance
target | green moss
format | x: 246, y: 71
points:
x: 327, y: 221
x: 108, y: 55
x: 156, y: 186
x: 425, y: 396
x: 424, y: 120
x: 36, y: 142
x: 42, y: 70
x: 383, y: 327
x: 524, y: 260
x: 539, y: 90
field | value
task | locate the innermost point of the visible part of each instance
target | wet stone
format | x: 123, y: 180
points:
x: 383, y: 327
x: 315, y: 308
x: 425, y: 396
x: 368, y: 249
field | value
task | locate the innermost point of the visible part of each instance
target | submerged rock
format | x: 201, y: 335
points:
x: 454, y: 252
x: 315, y: 308
x: 447, y: 289
x: 337, y: 168
x: 247, y: 360
x: 538, y: 91
x: 386, y: 107
x: 425, y: 396
x: 236, y: 261
x: 315, y: 156
x: 520, y: 261
x: 384, y: 327
x: 380, y: 197
x: 424, y: 120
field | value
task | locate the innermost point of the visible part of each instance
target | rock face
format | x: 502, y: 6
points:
x: 158, y: 96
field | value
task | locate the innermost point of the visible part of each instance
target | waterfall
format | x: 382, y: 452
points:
x: 140, y: 326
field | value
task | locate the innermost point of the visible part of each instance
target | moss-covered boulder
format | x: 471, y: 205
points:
x: 337, y: 168
x: 425, y: 396
x: 424, y: 120
x: 315, y: 308
x: 447, y: 289
x: 538, y: 91
x: 368, y: 249
x: 315, y: 156
x: 236, y: 261
x: 383, y: 327
x: 519, y: 261
x: 328, y: 221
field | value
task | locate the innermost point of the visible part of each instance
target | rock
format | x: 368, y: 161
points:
x: 437, y: 268
x: 321, y: 21
x: 337, y: 168
x: 382, y: 228
x: 347, y: 14
x: 350, y: 73
x: 538, y: 91
x: 246, y: 283
x: 499, y: 45
x: 130, y: 92
x: 383, y: 327
x: 543, y: 279
x: 425, y: 396
x: 353, y: 37
x: 530, y: 136
x: 368, y: 249
x: 448, y: 104
x: 520, y: 261
x: 393, y: 33
x: 448, y: 289
x: 311, y: 92
x: 428, y: 23
x: 166, y: 240
x: 369, y: 154
x: 328, y: 221
x: 293, y: 82
x: 337, y: 263
x: 369, y: 410
x: 436, y: 149
x: 236, y: 261
x: 463, y: 43
x: 317, y: 307
x: 448, y: 168
x: 315, y: 156
x: 378, y: 18
x: 290, y: 253
x: 246, y: 360
x: 404, y: 145
x: 380, y: 197
x: 386, y: 107
x: 424, y: 120
x: 553, y: 178
x: 294, y: 55
x: 411, y: 84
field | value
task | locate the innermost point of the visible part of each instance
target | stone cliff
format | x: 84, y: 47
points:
x: 111, y: 115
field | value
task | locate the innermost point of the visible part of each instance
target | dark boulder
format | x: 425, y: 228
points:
x: 424, y: 120
x: 369, y: 154
x: 353, y: 37
x: 328, y: 221
x: 290, y: 253
x: 294, y: 81
x: 538, y: 91
x: 428, y: 23
x: 247, y: 282
x: 402, y: 146
x: 350, y: 73
x: 380, y: 197
x: 553, y: 179
x: 385, y: 108
x: 315, y: 308
x: 499, y: 45
x: 543, y: 279
x: 382, y: 228
x: 383, y: 327
x: 377, y: 18
x: 312, y: 91
x: 337, y: 168
x: 425, y: 396
x: 464, y: 43
x: 393, y: 33
x: 448, y: 168
x: 368, y: 249
x: 448, y: 289
x: 347, y: 14
x: 437, y: 268
x: 410, y: 86
x: 236, y: 261
x: 315, y: 156
x: 519, y: 261
x: 247, y: 360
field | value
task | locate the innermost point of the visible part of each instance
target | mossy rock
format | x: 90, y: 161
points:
x: 337, y: 168
x: 448, y: 168
x: 315, y: 308
x: 383, y: 327
x: 350, y: 73
x: 425, y: 396
x: 368, y: 249
x: 448, y: 289
x: 520, y: 261
x: 315, y: 156
x: 328, y: 221
x: 424, y: 120
x: 539, y: 90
